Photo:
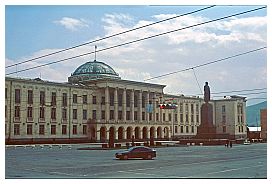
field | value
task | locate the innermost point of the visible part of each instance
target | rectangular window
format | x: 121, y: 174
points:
x: 135, y: 101
x: 120, y: 100
x: 223, y: 109
x: 103, y: 99
x: 17, y: 96
x: 187, y: 129
x: 17, y: 111
x: 224, y: 129
x: 163, y: 116
x: 53, y: 99
x: 181, y: 129
x: 53, y: 113
x: 85, y: 99
x: 41, y: 112
x: 103, y: 114
x: 197, y: 118
x: 176, y: 129
x: 143, y: 116
x: 119, y: 115
x: 74, y: 129
x: 94, y: 114
x: 241, y: 119
x: 157, y: 116
x: 16, y: 130
x: 176, y: 117
x: 181, y: 117
x: 41, y: 129
x: 186, y: 108
x: 150, y: 116
x: 64, y: 114
x: 94, y: 99
x: 74, y: 113
x: 187, y: 118
x: 6, y: 111
x: 242, y: 129
x: 64, y: 129
x: 169, y: 117
x: 53, y: 129
x: 111, y: 114
x: 192, y: 118
x: 64, y: 99
x: 29, y: 130
x: 128, y: 115
x: 193, y: 129
x: 197, y: 108
x: 29, y: 112
x: 85, y: 129
x: 84, y: 114
x: 42, y: 98
x: 74, y: 98
x: 30, y: 97
x: 223, y: 118
x: 6, y: 93
x: 135, y: 115
x: 181, y: 107
x: 192, y: 108
x: 143, y: 101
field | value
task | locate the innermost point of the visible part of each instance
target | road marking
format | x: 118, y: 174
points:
x: 228, y: 170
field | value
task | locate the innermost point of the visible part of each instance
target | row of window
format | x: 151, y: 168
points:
x: 53, y: 129
x: 187, y: 108
x: 75, y: 99
x: 186, y: 129
x: 103, y: 115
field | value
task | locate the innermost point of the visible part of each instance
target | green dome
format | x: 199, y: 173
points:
x: 93, y: 71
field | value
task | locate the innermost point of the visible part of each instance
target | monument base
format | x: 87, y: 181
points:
x: 206, y: 132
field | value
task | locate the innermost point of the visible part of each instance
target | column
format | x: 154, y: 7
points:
x: 146, y: 106
x: 140, y: 105
x: 116, y: 104
x: 154, y: 107
x: 132, y: 105
x: 124, y: 104
x: 107, y: 104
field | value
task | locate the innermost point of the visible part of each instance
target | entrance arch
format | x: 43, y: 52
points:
x: 145, y: 133
x: 92, y: 133
x: 112, y: 133
x: 129, y: 132
x: 159, y: 132
x: 137, y: 133
x: 103, y: 131
x: 120, y: 133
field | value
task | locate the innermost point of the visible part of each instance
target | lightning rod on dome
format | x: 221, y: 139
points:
x: 95, y: 47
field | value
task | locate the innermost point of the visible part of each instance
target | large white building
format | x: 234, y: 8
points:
x: 96, y: 104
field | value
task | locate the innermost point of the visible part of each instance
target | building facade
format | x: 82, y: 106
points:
x: 96, y: 105
x: 263, y: 124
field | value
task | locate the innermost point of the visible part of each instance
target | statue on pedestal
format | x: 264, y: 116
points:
x: 207, y: 95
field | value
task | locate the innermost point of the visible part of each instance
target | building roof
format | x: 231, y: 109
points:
x: 93, y: 71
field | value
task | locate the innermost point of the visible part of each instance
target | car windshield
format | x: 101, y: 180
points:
x: 138, y: 149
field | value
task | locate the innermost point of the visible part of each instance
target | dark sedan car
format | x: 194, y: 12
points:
x: 137, y: 152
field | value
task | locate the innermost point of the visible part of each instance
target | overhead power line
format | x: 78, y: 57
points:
x: 208, y: 63
x: 235, y: 91
x: 117, y: 34
x: 127, y: 43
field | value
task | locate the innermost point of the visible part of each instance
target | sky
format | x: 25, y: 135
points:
x: 32, y: 31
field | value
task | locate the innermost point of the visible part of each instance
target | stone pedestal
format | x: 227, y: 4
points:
x: 206, y: 130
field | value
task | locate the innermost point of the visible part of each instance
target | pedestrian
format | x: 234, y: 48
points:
x: 231, y: 144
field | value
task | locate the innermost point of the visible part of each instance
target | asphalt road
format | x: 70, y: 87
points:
x: 240, y: 161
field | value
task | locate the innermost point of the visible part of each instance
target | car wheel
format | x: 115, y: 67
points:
x: 125, y: 157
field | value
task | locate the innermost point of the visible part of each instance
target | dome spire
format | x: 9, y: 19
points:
x: 95, y: 47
